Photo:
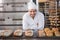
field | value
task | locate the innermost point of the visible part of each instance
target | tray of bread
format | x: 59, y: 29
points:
x: 46, y: 32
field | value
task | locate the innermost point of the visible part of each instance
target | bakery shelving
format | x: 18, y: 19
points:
x: 51, y: 10
x: 58, y: 10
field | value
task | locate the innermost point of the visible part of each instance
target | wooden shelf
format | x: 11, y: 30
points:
x: 41, y: 1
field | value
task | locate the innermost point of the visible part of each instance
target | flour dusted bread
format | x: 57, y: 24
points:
x: 1, y: 32
x: 18, y: 32
x: 6, y: 32
x: 29, y: 33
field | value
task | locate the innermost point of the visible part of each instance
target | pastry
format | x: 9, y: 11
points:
x: 46, y: 29
x: 18, y: 32
x: 57, y: 33
x: 50, y: 18
x: 6, y: 33
x: 48, y: 32
x: 28, y: 33
x: 54, y: 29
x: 1, y: 32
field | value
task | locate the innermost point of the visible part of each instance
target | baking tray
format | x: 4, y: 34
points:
x: 35, y: 36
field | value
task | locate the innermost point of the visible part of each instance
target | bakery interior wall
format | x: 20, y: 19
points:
x: 13, y: 9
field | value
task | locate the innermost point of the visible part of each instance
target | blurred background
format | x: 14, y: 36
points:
x: 12, y: 11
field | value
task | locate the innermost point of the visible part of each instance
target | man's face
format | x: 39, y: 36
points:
x: 32, y: 12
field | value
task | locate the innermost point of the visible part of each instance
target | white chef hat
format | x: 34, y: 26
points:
x: 32, y: 5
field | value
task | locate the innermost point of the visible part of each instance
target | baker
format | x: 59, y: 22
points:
x: 33, y: 19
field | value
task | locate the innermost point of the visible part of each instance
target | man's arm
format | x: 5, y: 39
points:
x: 41, y: 23
x: 25, y: 24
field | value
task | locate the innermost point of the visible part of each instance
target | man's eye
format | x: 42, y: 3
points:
x: 30, y: 11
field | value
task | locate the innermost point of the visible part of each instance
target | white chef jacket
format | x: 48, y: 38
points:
x: 29, y: 23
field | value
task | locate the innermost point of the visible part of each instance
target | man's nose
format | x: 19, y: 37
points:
x: 32, y: 12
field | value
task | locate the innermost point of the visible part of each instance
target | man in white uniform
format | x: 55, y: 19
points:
x: 33, y: 19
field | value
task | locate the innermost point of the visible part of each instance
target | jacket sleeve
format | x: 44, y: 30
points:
x: 41, y: 22
x: 24, y: 22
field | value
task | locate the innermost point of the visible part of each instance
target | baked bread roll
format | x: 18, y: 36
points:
x: 48, y: 32
x: 55, y: 29
x: 18, y: 32
x: 46, y: 29
x: 29, y: 33
x: 50, y: 18
x: 41, y: 33
x: 6, y: 33
x: 1, y: 32
x: 57, y: 33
